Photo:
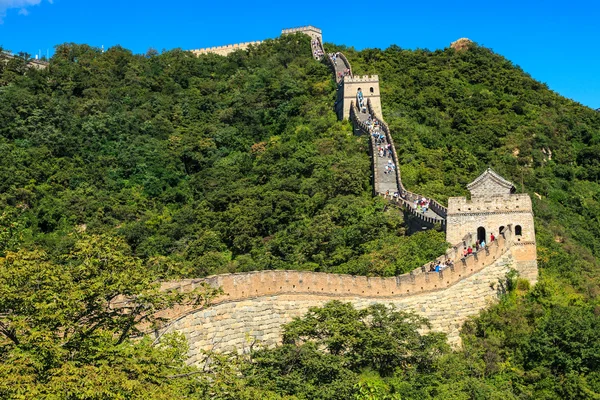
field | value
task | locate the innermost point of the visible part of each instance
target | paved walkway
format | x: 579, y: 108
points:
x: 387, y: 182
x: 340, y: 67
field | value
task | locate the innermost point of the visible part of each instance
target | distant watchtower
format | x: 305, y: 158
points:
x: 309, y: 30
x: 492, y: 208
x: 368, y: 85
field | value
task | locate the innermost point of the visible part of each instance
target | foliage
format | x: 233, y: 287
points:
x: 324, y: 352
x: 219, y: 164
x: 66, y: 327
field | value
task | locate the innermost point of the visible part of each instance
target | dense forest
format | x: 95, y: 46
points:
x: 119, y: 169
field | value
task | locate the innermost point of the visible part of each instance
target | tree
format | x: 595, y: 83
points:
x: 68, y: 324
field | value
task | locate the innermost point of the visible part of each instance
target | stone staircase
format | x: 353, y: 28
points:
x: 386, y: 183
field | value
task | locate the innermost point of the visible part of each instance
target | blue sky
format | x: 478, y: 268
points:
x: 556, y: 42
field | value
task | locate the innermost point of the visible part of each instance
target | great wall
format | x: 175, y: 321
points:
x: 255, y: 305
x: 33, y: 63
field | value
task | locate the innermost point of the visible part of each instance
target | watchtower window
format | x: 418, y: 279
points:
x: 518, y: 230
x: 372, y: 90
x: 481, y: 234
x: 501, y: 229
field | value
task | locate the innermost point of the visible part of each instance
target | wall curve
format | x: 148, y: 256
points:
x: 237, y: 325
x: 255, y: 305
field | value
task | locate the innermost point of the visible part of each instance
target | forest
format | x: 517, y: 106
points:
x: 121, y: 169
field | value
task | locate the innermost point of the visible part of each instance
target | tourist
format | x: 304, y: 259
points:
x: 469, y: 250
x: 391, y: 166
x: 482, y: 244
x: 492, y: 237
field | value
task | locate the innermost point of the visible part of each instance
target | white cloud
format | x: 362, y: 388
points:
x: 20, y: 4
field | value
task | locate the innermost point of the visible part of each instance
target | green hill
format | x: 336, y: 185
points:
x: 198, y: 166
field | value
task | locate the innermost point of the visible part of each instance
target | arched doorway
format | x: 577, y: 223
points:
x: 518, y: 230
x: 481, y: 234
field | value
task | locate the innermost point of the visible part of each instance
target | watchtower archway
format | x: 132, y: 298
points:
x: 481, y: 234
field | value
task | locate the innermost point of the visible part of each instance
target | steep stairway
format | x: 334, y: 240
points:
x: 386, y: 170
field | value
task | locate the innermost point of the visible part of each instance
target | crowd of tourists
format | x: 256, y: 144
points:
x: 421, y: 205
x: 317, y: 50
x: 477, y: 246
x: 385, y: 150
x: 439, y: 266
x: 341, y: 74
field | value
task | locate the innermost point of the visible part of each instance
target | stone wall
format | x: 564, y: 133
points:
x: 235, y: 325
x: 256, y: 304
x: 369, y: 85
x: 492, y: 214
x: 309, y: 30
x: 225, y: 50
x: 37, y: 64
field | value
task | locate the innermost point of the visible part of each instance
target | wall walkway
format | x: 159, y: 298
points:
x: 255, y: 305
x: 385, y: 183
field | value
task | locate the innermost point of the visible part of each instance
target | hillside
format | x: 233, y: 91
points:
x: 220, y: 164
x: 189, y: 166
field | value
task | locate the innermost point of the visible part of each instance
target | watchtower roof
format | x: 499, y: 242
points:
x: 490, y: 184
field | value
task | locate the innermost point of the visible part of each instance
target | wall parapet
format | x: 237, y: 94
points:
x: 226, y: 49
x: 31, y: 63
x: 301, y: 29
x: 362, y: 78
x: 513, y: 202
x: 256, y: 284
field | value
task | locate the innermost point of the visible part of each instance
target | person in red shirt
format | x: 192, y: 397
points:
x: 492, y: 237
x: 470, y: 250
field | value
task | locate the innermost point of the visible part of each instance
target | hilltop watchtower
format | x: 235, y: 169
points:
x: 348, y: 92
x: 309, y: 30
x: 494, y: 206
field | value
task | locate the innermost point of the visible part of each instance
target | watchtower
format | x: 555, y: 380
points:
x: 494, y: 206
x: 349, y: 88
x: 309, y: 30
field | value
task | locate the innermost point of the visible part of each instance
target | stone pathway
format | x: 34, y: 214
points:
x: 386, y: 183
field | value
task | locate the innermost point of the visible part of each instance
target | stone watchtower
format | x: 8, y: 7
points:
x: 313, y: 32
x: 368, y: 85
x: 494, y: 207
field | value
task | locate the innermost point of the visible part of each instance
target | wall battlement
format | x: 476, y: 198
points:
x: 363, y: 78
x: 512, y: 203
x: 258, y: 304
x: 225, y: 50
x: 309, y: 30
x: 33, y: 63
x: 246, y: 285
